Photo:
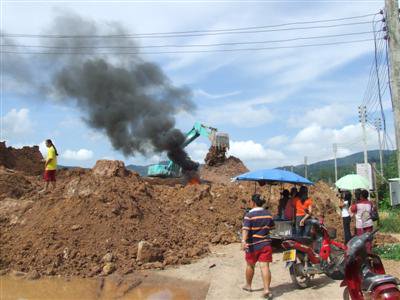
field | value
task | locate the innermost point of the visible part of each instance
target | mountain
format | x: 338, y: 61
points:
x: 325, y: 170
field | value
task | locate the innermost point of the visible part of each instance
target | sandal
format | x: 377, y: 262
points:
x: 268, y: 296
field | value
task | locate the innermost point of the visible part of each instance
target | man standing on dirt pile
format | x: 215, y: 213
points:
x: 256, y: 243
x: 50, y: 166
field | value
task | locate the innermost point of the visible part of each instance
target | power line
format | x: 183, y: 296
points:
x: 168, y: 35
x: 371, y: 77
x: 371, y: 85
x: 194, y: 51
x: 258, y: 27
x: 188, y: 46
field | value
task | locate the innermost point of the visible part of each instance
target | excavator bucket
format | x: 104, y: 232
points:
x: 220, y: 140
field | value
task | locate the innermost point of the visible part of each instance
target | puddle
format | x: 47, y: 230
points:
x: 151, y: 288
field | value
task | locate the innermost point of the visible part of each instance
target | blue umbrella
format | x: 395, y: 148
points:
x: 273, y: 176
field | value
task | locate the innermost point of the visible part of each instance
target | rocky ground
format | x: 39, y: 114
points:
x: 108, y: 219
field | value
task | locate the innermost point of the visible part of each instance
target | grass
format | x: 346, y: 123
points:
x: 389, y: 221
x: 388, y: 251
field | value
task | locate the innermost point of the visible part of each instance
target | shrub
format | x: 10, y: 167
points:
x: 388, y: 251
x: 389, y: 221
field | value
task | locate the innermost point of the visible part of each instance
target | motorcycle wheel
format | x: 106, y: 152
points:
x: 346, y: 295
x: 299, y: 279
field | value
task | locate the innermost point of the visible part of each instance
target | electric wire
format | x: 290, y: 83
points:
x: 195, y: 51
x: 203, y: 32
x: 190, y: 45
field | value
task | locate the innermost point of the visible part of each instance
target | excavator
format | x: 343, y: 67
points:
x: 218, y: 140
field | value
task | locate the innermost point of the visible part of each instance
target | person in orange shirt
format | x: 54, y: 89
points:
x: 303, y: 206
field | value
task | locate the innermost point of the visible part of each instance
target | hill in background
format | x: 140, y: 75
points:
x: 325, y: 170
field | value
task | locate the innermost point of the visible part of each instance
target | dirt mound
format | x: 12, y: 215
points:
x: 26, y: 159
x: 95, y: 220
x: 14, y: 184
x: 215, y: 156
x: 70, y: 230
x: 110, y: 168
x: 222, y: 173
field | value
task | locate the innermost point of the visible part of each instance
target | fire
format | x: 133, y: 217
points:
x: 192, y: 177
x: 194, y: 180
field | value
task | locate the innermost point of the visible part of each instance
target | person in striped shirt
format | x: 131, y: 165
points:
x: 257, y: 244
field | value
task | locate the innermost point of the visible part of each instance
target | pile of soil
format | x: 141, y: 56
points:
x: 26, y: 159
x: 101, y: 220
x: 91, y: 214
x: 14, y: 184
x: 215, y: 156
x: 223, y: 173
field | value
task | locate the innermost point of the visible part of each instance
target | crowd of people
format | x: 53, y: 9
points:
x: 296, y: 206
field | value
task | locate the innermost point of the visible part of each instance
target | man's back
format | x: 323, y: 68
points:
x: 258, y: 222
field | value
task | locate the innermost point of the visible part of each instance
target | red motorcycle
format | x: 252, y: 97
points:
x: 365, y: 276
x: 317, y: 254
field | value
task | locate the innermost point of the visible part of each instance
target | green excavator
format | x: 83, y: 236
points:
x: 218, y: 140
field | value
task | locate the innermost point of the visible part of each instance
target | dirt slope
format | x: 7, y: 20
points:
x: 93, y: 222
x: 26, y: 159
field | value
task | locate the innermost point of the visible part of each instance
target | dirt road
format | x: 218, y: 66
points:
x: 220, y: 276
x: 227, y: 278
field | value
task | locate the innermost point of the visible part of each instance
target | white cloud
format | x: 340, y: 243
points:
x: 277, y: 140
x: 252, y: 151
x: 96, y: 136
x: 152, y: 159
x: 80, y: 155
x: 316, y: 142
x: 240, y: 115
x: 16, y: 124
x: 197, y: 151
x: 43, y: 148
x: 327, y: 116
x: 203, y: 93
x: 245, y: 113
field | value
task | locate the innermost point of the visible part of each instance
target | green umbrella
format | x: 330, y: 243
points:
x: 352, y: 182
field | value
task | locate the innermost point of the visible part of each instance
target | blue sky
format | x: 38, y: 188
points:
x: 277, y: 105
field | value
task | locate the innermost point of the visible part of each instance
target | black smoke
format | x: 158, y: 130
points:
x: 131, y: 100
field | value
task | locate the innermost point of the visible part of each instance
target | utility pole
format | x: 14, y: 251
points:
x: 393, y: 31
x: 362, y: 113
x: 378, y: 127
x: 334, y: 157
x: 305, y: 167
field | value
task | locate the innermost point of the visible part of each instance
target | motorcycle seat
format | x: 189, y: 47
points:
x: 371, y: 280
x: 301, y: 239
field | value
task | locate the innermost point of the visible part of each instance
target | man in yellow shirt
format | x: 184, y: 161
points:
x: 50, y: 166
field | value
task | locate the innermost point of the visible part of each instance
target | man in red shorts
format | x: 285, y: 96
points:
x: 256, y: 243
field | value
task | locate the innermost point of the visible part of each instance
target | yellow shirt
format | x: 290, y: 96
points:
x: 51, y: 154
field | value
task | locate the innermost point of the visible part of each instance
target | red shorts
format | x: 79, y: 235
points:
x: 262, y: 255
x: 49, y: 175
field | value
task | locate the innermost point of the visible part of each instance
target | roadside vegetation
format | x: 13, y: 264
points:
x: 389, y: 221
x: 391, y: 251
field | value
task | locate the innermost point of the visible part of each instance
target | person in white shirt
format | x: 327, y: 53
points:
x: 345, y: 203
